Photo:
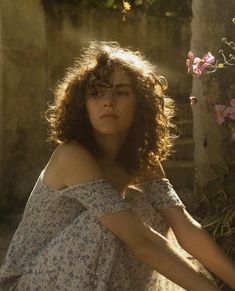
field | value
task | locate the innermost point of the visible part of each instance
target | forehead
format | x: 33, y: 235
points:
x: 119, y: 75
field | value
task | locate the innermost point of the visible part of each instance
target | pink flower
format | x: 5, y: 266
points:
x: 189, y: 62
x: 219, y: 113
x: 193, y: 100
x: 230, y: 111
x: 232, y: 102
x: 197, y: 66
x: 208, y: 59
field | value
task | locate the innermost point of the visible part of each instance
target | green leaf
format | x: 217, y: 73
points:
x: 220, y: 170
x: 212, y: 187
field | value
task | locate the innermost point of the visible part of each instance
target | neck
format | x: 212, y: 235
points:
x: 111, y: 146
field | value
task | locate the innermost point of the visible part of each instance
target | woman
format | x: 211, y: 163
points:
x: 97, y: 216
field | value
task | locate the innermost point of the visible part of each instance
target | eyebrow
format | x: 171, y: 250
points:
x: 124, y: 85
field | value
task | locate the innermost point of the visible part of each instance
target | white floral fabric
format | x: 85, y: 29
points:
x: 61, y: 245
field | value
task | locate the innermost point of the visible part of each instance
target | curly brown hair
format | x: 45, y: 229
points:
x: 149, y: 140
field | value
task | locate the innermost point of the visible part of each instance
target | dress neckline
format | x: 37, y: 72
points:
x: 83, y: 184
x: 90, y: 183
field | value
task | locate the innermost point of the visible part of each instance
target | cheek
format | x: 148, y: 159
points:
x: 133, y: 108
x: 91, y: 110
x: 131, y: 113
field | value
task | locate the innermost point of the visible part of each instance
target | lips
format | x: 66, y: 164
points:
x: 109, y: 115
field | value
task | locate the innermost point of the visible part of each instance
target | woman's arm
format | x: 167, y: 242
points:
x: 156, y: 251
x: 196, y: 241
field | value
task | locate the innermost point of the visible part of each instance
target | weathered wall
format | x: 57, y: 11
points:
x: 166, y: 42
x: 23, y: 93
x: 37, y: 45
x: 210, y: 23
x: 1, y: 100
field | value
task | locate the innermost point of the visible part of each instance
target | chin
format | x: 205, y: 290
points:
x: 111, y: 131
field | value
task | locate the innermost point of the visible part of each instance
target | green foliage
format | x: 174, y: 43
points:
x: 218, y: 209
x: 171, y: 8
x: 161, y: 8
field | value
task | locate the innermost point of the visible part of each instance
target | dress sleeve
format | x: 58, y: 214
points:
x: 98, y: 197
x: 161, y: 194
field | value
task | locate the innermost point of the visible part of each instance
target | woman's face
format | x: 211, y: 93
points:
x: 112, y: 110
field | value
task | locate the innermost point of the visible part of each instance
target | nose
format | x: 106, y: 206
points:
x: 108, y: 101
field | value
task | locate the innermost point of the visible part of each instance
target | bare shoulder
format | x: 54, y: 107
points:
x: 73, y: 152
x: 151, y: 174
x: 156, y: 173
x: 71, y: 163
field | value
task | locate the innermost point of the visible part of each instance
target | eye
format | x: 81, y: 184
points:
x: 95, y: 94
x: 122, y: 92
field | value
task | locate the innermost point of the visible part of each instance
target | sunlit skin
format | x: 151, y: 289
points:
x: 111, y: 113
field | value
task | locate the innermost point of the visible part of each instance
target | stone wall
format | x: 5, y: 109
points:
x: 24, y: 86
x: 1, y: 101
x: 36, y: 45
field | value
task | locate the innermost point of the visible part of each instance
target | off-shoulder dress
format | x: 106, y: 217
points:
x: 61, y: 245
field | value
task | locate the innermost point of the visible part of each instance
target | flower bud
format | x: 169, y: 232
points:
x: 224, y: 39
x: 193, y: 100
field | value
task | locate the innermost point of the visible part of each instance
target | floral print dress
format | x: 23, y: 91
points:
x: 61, y: 245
